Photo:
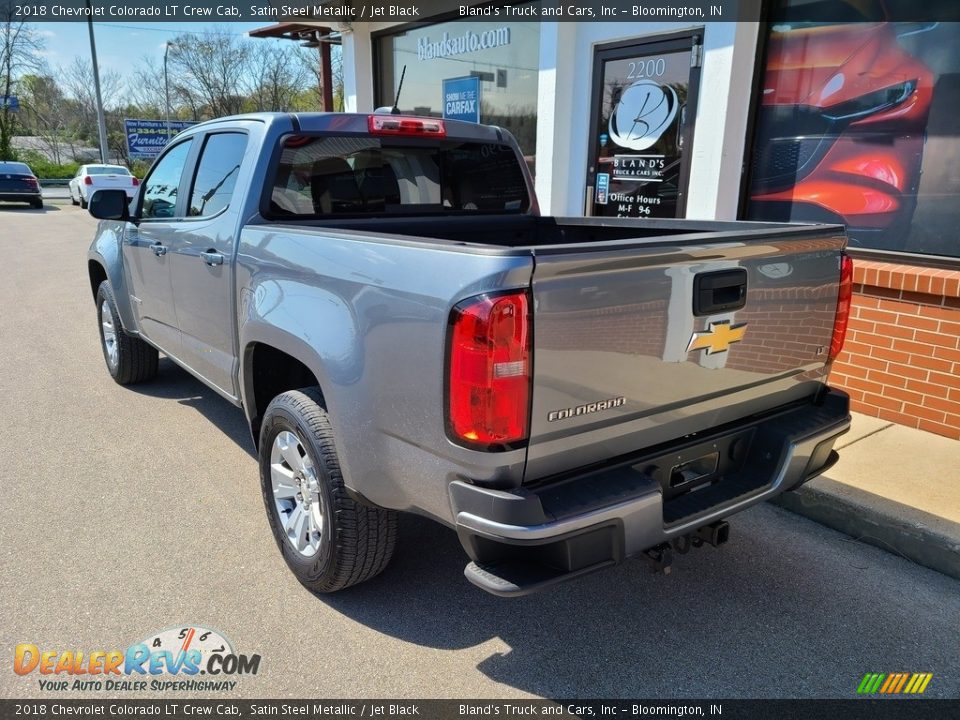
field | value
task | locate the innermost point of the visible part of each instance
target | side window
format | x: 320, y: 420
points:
x: 216, y: 173
x: 160, y: 187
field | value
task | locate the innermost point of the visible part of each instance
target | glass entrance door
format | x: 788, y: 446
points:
x: 644, y: 105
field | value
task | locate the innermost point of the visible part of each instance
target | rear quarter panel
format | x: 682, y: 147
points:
x: 368, y: 315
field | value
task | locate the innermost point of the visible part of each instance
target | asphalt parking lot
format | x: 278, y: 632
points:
x: 127, y: 511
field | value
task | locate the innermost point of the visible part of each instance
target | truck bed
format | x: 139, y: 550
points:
x: 526, y: 232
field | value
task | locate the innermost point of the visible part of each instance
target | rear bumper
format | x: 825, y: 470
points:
x: 20, y: 196
x: 87, y: 191
x: 524, y: 540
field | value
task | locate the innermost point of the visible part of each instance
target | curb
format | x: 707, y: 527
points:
x: 918, y: 536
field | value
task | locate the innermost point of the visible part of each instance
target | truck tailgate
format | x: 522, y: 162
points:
x: 637, y: 344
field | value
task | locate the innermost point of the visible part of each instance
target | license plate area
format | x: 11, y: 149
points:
x: 699, y: 466
x: 694, y: 472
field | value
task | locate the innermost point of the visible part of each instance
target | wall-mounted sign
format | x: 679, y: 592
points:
x: 461, y: 43
x: 10, y: 102
x: 146, y: 138
x: 461, y: 99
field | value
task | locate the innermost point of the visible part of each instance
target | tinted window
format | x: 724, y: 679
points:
x: 217, y: 173
x: 503, y: 56
x: 15, y: 168
x: 321, y: 176
x: 160, y: 187
x: 107, y: 170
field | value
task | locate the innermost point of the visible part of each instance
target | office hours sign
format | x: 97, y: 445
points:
x: 642, y: 125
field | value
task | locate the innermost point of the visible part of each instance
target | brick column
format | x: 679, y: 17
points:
x: 901, y: 360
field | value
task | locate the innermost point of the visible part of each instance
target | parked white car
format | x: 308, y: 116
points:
x: 90, y: 178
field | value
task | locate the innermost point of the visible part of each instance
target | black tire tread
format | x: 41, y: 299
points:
x: 365, y: 536
x: 138, y: 361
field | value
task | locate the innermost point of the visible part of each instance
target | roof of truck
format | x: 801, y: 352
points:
x: 353, y: 122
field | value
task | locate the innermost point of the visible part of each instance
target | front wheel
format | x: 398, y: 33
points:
x: 129, y: 359
x: 329, y: 540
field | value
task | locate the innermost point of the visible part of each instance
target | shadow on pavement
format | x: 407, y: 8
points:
x: 28, y: 209
x: 175, y: 383
x: 783, y: 593
x: 726, y: 621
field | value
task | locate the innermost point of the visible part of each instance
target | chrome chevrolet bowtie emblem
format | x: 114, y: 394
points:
x: 718, y: 337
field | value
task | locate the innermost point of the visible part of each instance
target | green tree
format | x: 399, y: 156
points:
x: 19, y: 44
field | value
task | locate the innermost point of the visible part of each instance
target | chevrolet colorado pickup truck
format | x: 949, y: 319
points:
x: 405, y: 332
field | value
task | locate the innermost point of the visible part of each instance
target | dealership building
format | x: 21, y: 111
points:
x: 853, y: 122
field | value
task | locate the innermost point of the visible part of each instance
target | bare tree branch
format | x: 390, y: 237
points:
x: 19, y: 48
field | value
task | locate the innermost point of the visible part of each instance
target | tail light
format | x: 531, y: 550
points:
x: 397, y: 125
x: 32, y: 181
x: 843, y: 306
x: 87, y: 180
x: 136, y: 182
x: 488, y: 390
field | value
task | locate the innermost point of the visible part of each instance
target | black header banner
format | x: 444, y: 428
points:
x: 174, y: 709
x: 341, y: 14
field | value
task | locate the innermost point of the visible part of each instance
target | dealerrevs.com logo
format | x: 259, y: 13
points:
x: 188, y: 658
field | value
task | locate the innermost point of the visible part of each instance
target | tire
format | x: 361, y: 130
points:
x: 83, y: 202
x: 134, y: 360
x: 73, y: 200
x: 343, y: 542
x: 37, y: 204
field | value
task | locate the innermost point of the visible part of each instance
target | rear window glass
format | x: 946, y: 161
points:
x: 107, y: 170
x: 15, y: 168
x: 322, y: 176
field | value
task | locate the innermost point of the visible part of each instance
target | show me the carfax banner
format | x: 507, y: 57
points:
x: 341, y: 13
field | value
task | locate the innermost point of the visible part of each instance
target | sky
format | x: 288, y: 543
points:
x: 121, y: 46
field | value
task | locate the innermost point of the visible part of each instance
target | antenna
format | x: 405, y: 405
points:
x: 396, y: 98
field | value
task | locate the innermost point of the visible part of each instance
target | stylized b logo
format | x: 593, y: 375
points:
x: 643, y: 114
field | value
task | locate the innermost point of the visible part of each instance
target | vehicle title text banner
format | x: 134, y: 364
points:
x: 335, y: 13
x: 307, y: 709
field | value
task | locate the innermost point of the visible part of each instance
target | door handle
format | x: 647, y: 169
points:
x: 212, y: 258
x: 158, y: 249
x: 719, y: 291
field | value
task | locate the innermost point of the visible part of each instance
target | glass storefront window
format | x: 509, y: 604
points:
x: 857, y: 124
x: 504, y: 57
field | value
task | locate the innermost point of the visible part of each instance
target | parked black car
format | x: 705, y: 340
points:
x: 19, y: 184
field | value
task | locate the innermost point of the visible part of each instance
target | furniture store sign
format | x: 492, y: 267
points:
x: 451, y: 45
x: 146, y: 138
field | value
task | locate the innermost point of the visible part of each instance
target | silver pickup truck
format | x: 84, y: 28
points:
x: 405, y: 332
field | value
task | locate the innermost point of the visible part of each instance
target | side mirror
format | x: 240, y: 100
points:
x: 110, y: 205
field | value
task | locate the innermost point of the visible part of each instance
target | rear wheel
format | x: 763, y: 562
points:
x: 73, y: 200
x: 37, y: 204
x: 329, y: 540
x: 129, y: 359
x: 83, y: 202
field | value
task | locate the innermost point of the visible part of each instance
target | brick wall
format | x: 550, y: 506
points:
x: 901, y: 359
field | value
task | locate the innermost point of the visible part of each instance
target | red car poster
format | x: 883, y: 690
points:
x: 857, y: 123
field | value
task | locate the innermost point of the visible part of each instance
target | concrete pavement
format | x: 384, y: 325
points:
x: 894, y: 487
